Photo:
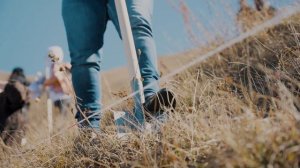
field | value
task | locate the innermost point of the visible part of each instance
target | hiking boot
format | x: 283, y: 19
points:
x: 157, y: 102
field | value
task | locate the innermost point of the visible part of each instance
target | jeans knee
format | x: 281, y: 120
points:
x: 140, y: 26
x: 89, y: 61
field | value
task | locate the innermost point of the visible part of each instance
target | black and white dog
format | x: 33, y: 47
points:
x: 13, y: 99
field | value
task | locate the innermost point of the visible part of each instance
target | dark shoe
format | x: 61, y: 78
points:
x: 162, y: 99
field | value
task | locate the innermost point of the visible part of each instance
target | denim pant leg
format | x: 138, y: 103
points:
x: 140, y: 14
x: 85, y: 23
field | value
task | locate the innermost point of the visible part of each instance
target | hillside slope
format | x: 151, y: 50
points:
x: 237, y: 109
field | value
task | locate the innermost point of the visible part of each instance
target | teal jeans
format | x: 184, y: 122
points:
x: 85, y: 22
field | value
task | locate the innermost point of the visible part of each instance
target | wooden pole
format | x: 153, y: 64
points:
x: 134, y: 70
x: 49, y: 106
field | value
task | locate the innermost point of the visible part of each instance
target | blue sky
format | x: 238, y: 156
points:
x: 29, y: 27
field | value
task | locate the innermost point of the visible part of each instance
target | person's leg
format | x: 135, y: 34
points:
x: 85, y: 23
x: 59, y: 104
x: 64, y: 106
x: 140, y: 14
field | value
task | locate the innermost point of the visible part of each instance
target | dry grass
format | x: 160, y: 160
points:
x: 239, y: 109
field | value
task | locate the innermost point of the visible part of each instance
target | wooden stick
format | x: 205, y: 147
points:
x: 134, y: 70
x: 49, y: 106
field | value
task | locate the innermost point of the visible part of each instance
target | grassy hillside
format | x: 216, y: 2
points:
x: 116, y: 82
x: 238, y: 109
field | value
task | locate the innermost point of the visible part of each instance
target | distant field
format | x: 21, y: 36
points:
x: 4, y: 76
x: 3, y: 79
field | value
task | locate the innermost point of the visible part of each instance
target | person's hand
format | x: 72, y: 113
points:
x: 65, y: 67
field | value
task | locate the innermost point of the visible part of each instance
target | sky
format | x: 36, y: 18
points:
x: 29, y: 27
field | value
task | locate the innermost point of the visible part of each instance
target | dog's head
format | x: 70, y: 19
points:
x: 17, y: 95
